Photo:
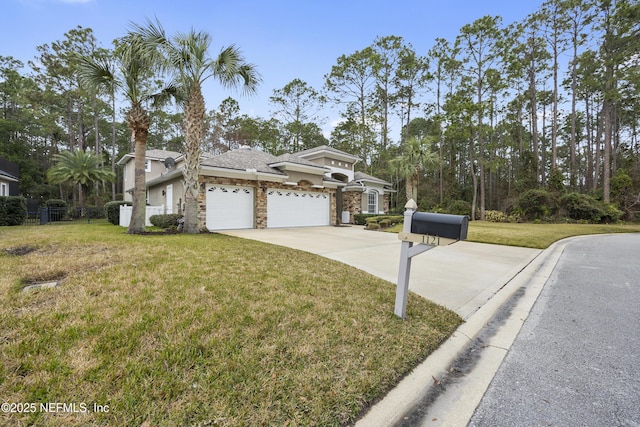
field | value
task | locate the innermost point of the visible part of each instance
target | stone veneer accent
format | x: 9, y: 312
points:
x: 260, y: 201
x: 352, y: 202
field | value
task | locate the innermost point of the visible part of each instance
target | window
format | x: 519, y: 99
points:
x: 373, y: 202
x: 147, y: 165
x: 3, y: 190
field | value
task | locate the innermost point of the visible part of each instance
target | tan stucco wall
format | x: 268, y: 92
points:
x: 300, y: 176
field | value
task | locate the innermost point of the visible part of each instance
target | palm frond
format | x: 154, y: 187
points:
x: 96, y: 72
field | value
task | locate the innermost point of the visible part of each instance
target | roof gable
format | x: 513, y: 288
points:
x: 327, y: 151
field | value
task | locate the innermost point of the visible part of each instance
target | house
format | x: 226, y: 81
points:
x: 248, y: 188
x: 9, y: 178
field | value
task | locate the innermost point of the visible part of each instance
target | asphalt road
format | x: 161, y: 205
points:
x: 576, y: 361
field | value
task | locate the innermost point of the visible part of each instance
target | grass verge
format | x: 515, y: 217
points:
x: 197, y: 330
x: 538, y: 236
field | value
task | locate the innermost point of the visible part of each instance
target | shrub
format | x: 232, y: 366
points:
x: 496, y: 216
x: 13, y: 210
x: 536, y: 205
x: 458, y: 207
x: 361, y: 219
x: 611, y: 214
x: 165, y: 220
x: 385, y: 223
x: 582, y: 207
x: 371, y: 220
x: 373, y: 226
x: 57, y: 209
x: 55, y: 203
x: 112, y: 211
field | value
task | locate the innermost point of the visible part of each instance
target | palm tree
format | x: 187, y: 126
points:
x: 78, y: 167
x: 187, y: 57
x: 129, y: 73
x: 416, y: 157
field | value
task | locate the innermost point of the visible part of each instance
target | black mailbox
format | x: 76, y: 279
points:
x: 441, y: 225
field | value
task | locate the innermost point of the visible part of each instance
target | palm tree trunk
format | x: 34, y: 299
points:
x: 194, y: 112
x: 139, y: 123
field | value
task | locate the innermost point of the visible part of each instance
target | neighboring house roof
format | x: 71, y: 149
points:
x: 7, y: 176
x: 151, y: 154
x: 325, y: 150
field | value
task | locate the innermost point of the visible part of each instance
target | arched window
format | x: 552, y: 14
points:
x: 372, y: 201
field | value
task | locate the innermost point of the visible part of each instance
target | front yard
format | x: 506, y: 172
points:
x: 164, y: 330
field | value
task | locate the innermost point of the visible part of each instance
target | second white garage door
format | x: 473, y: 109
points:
x: 229, y: 207
x: 296, y: 208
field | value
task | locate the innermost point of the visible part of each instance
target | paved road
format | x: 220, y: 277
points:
x: 576, y: 361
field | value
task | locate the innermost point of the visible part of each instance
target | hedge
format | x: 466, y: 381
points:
x: 112, y: 211
x: 13, y: 210
x: 165, y: 221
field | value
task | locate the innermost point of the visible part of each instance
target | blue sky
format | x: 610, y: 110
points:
x: 285, y: 39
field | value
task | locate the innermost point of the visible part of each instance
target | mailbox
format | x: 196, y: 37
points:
x: 441, y: 225
x: 428, y: 230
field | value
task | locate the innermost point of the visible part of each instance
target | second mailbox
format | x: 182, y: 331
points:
x: 441, y: 225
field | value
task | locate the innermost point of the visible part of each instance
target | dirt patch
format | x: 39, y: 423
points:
x: 19, y: 251
x: 50, y: 276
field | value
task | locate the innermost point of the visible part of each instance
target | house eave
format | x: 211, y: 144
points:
x: 296, y: 167
x: 330, y: 155
x: 249, y: 174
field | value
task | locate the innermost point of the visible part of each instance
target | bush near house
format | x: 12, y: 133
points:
x: 112, y: 211
x: 165, y: 221
x: 361, y: 219
x: 383, y: 221
x: 13, y: 210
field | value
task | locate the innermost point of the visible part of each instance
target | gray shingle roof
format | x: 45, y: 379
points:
x: 324, y: 148
x: 242, y: 159
x: 293, y: 158
x: 151, y: 154
x: 361, y: 176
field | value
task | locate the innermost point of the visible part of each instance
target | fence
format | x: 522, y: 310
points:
x: 125, y: 214
x: 58, y: 215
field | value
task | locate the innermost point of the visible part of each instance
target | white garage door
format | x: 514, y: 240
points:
x: 296, y: 208
x: 229, y: 207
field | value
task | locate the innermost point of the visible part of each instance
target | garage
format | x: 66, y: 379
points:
x: 229, y: 207
x: 287, y: 208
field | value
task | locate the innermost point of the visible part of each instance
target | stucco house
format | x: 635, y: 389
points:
x: 248, y: 188
x: 9, y: 178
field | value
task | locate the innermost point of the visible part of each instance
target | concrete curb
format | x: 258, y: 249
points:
x: 434, y: 393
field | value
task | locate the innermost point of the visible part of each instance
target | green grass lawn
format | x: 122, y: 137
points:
x: 169, y: 330
x: 538, y: 236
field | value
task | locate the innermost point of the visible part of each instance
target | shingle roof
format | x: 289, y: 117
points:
x: 293, y: 158
x: 151, y: 154
x: 324, y: 148
x: 162, y: 154
x: 242, y: 159
x: 361, y: 176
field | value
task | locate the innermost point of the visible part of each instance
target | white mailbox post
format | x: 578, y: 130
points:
x: 427, y: 230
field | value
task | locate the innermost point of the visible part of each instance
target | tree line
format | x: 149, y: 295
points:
x: 546, y: 104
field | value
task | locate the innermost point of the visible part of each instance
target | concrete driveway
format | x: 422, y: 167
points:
x: 461, y: 277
